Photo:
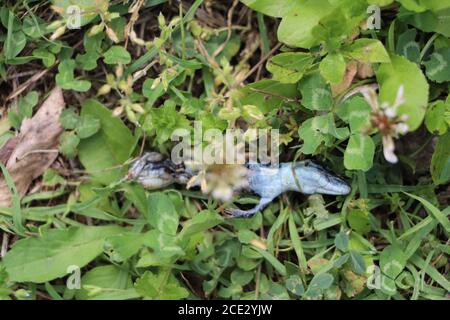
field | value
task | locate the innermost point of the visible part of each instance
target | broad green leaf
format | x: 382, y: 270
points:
x: 66, y: 79
x: 332, y: 68
x: 47, y: 257
x: 295, y: 285
x: 117, y: 54
x: 69, y: 119
x: 402, y: 72
x: 289, y: 67
x: 428, y: 21
x: 160, y: 286
x: 313, y: 131
x: 356, y: 112
x: 111, y: 146
x: 268, y: 95
x: 271, y: 8
x: 358, y: 220
x: 407, y: 45
x: 87, y: 126
x: 392, y: 261
x: 367, y: 50
x: 358, y: 264
x: 296, y: 27
x: 122, y: 247
x: 48, y: 58
x: 106, y: 283
x: 202, y: 221
x: 341, y: 241
x: 438, y: 66
x: 89, y: 9
x: 316, y: 93
x: 15, y: 43
x: 440, y: 162
x: 435, y: 117
x: 161, y: 213
x: 68, y: 144
x: 359, y: 152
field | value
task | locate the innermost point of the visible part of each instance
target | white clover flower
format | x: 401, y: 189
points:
x: 385, y: 118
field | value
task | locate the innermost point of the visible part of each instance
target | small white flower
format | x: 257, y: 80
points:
x: 388, y: 149
x: 387, y: 120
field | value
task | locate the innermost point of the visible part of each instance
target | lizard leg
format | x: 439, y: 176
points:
x: 235, y: 213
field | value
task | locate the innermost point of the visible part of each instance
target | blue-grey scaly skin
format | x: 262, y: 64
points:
x: 155, y: 172
x: 304, y: 176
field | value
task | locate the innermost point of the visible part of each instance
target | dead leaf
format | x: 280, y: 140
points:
x: 350, y: 73
x: 28, y: 155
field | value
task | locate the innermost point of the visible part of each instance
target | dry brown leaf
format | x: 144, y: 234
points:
x: 350, y: 73
x: 29, y: 154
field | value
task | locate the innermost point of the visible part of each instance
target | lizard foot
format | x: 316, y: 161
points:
x: 238, y: 213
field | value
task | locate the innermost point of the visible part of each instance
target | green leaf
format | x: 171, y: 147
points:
x: 296, y: 27
x: 111, y: 146
x: 202, y: 221
x: 164, y: 120
x: 161, y: 286
x: 106, y: 283
x: 68, y: 144
x: 87, y: 126
x: 435, y: 212
x: 341, y: 241
x: 440, y: 162
x: 356, y: 112
x: 48, y: 58
x: 392, y: 261
x: 316, y: 93
x: 438, y: 66
x: 359, y: 221
x: 161, y: 213
x: 295, y: 285
x: 358, y: 264
x: 402, y: 72
x: 90, y: 9
x: 313, y: 132
x: 124, y: 246
x: 47, y: 257
x: 289, y: 67
x: 367, y: 50
x: 407, y: 46
x: 332, y: 68
x: 15, y: 43
x: 117, y: 54
x: 435, y: 117
x: 359, y: 152
x: 69, y: 119
x: 66, y: 80
x: 271, y: 8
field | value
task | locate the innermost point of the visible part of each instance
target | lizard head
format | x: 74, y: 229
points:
x: 313, y: 178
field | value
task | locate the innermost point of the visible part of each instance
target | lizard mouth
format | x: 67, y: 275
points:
x: 334, y: 186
